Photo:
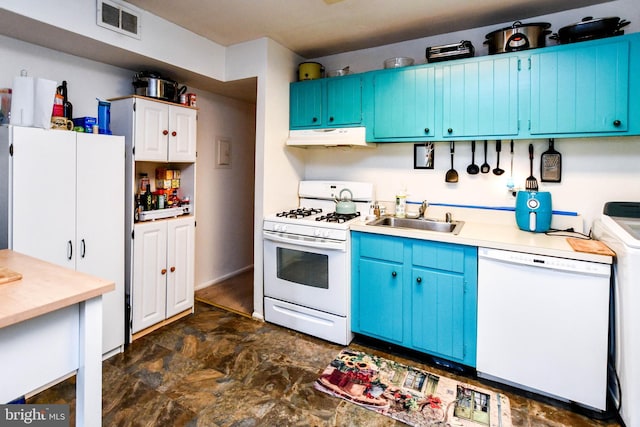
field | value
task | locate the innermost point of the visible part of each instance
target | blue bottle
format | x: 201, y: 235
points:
x: 104, y: 117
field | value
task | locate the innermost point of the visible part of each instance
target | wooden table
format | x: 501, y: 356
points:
x: 51, y: 327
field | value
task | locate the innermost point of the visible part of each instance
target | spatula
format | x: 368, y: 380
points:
x: 531, y: 183
x: 452, y: 174
x: 485, y: 168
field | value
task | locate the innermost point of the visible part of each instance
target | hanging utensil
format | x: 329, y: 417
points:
x: 497, y: 170
x: 531, y: 183
x: 550, y: 164
x: 485, y: 168
x: 510, y: 184
x: 473, y: 169
x: 452, y: 174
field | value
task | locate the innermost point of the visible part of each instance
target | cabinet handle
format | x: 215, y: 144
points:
x: 617, y: 123
x: 426, y: 130
x: 69, y: 249
x: 174, y: 133
x: 330, y: 119
x: 165, y: 132
x: 163, y: 271
x: 172, y: 269
x: 315, y: 119
x: 394, y: 274
x: 83, y: 248
x: 449, y: 130
x: 419, y: 280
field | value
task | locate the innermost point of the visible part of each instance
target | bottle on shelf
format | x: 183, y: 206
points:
x: 67, y: 107
x: 148, y: 198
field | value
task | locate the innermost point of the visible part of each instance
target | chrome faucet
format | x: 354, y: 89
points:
x: 448, y: 217
x: 423, y: 208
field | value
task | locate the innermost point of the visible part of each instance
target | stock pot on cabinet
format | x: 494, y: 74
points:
x: 517, y: 37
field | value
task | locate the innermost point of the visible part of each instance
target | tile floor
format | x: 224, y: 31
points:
x: 217, y: 368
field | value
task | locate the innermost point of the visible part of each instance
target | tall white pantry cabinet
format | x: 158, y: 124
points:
x: 62, y: 200
x: 160, y: 253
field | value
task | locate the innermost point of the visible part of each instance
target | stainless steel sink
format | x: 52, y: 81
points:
x: 453, y: 227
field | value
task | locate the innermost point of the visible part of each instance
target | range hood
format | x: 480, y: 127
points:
x: 337, y: 137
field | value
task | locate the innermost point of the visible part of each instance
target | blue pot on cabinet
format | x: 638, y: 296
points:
x: 533, y: 211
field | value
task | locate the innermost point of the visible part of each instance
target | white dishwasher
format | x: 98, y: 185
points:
x: 543, y: 324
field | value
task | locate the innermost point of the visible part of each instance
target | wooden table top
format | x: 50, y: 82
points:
x: 44, y: 288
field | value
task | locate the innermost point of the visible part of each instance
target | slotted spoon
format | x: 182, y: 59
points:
x: 531, y: 183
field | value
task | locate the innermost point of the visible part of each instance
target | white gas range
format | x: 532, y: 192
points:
x: 307, y: 260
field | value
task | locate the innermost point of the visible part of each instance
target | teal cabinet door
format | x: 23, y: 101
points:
x: 437, y: 313
x: 480, y: 98
x: 581, y: 88
x: 378, y: 286
x: 344, y: 101
x: 305, y: 104
x: 404, y: 104
x: 444, y: 300
x: 380, y: 300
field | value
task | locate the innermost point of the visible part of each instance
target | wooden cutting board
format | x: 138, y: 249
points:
x: 590, y: 246
x: 7, y: 275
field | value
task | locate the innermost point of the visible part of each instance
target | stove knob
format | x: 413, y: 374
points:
x: 326, y: 233
x: 316, y: 232
x: 283, y: 229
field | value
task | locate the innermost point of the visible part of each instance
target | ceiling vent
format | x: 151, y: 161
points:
x: 118, y: 18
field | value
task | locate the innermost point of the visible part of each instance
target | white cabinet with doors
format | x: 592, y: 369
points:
x: 159, y: 253
x: 164, y: 132
x: 62, y: 199
x: 163, y: 259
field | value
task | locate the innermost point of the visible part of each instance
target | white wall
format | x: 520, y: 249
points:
x: 595, y: 170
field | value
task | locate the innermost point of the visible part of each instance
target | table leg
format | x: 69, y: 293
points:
x: 89, y: 377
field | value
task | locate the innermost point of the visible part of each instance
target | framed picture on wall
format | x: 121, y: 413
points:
x: 423, y: 156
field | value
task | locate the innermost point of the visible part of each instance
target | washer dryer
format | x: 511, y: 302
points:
x: 619, y: 228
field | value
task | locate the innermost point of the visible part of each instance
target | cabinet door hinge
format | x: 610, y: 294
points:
x: 519, y: 64
x: 529, y: 61
x: 134, y: 106
x: 195, y: 224
x: 133, y: 234
x: 133, y: 150
x: 11, y: 150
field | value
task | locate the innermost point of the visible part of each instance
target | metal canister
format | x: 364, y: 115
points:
x: 183, y: 99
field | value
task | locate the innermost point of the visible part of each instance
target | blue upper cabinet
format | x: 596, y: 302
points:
x: 585, y: 89
x: 326, y: 103
x: 582, y: 88
x: 306, y: 104
x: 480, y: 97
x: 344, y: 101
x: 403, y: 104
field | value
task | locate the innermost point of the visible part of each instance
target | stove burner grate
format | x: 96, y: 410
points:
x: 299, y: 212
x: 336, y: 217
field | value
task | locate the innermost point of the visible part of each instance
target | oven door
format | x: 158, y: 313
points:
x: 313, y: 273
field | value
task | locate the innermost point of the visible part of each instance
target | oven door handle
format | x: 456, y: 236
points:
x: 305, y: 241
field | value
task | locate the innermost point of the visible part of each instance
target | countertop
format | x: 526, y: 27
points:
x: 497, y: 236
x: 44, y: 288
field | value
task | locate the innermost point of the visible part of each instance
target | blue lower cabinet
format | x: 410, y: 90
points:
x: 415, y: 293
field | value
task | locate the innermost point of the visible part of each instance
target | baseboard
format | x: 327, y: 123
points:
x: 223, y: 278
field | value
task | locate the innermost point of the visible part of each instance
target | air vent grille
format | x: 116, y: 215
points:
x: 118, y: 18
